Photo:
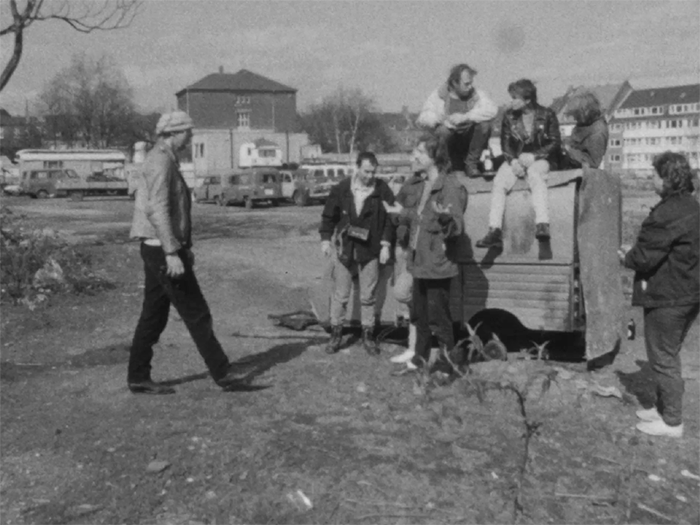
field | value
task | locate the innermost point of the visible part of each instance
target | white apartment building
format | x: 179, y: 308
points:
x: 652, y: 121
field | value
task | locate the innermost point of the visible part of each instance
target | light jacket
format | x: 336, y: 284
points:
x: 431, y: 236
x: 339, y: 214
x: 665, y: 256
x: 433, y: 112
x: 163, y: 203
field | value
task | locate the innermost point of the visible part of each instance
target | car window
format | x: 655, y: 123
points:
x: 216, y: 180
x: 287, y: 177
x: 268, y: 178
x: 244, y: 179
x: 233, y: 180
x: 341, y: 172
x: 331, y: 173
x: 318, y: 173
x: 42, y: 175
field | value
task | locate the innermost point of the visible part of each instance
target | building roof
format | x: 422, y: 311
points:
x: 243, y: 80
x: 609, y: 96
x: 264, y: 143
x: 663, y: 96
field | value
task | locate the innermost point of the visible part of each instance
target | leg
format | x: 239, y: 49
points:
x: 419, y: 318
x: 342, y: 285
x: 457, y: 149
x: 153, y: 319
x: 664, y: 331
x: 503, y: 182
x: 477, y: 142
x: 537, y: 179
x: 369, y: 277
x: 439, y: 318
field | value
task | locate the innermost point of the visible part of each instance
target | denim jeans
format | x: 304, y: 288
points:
x: 430, y: 313
x: 665, y: 329
x: 505, y: 180
x: 185, y: 295
x: 342, y: 279
x: 466, y: 145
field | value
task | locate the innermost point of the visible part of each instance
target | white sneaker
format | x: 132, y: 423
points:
x: 411, y: 366
x: 660, y: 428
x: 649, y: 414
x: 403, y: 357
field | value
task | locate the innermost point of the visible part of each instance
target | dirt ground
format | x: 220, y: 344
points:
x: 517, y: 441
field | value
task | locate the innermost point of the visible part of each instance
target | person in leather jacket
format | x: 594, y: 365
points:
x: 667, y: 285
x: 531, y: 142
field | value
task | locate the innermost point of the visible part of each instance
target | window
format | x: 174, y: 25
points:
x: 233, y: 180
x: 341, y: 172
x: 614, y: 158
x: 53, y: 164
x: 268, y: 178
x: 244, y: 179
x: 614, y: 142
x: 693, y: 123
x: 242, y: 99
x: 331, y: 173
x: 243, y: 119
x: 287, y: 178
x: 266, y: 153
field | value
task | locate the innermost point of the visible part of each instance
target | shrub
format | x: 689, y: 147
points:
x: 38, y: 262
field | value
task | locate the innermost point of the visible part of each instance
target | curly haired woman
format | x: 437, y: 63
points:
x: 666, y: 284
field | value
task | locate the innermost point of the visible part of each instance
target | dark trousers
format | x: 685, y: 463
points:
x: 185, y: 295
x: 430, y: 313
x: 466, y: 145
x: 665, y: 329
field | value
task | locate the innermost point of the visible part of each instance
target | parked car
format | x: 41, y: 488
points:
x: 250, y: 187
x: 302, y: 187
x: 209, y: 190
x: 12, y: 189
x: 41, y: 183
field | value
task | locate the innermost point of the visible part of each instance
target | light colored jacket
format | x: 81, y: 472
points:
x: 433, y: 112
x: 163, y: 203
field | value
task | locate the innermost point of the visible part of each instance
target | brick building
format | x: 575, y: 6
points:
x: 230, y: 110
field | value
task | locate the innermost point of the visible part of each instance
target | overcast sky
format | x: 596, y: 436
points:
x: 395, y: 51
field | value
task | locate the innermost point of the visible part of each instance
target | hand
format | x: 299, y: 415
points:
x: 447, y: 125
x: 175, y: 267
x: 622, y: 252
x: 326, y: 248
x: 392, y: 208
x: 526, y: 159
x: 456, y: 119
x: 440, y: 209
x: 384, y: 255
x: 443, y: 131
x: 517, y: 168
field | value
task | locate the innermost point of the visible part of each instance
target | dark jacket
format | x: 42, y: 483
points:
x: 163, y: 202
x: 586, y: 146
x: 665, y: 256
x: 431, y: 236
x: 339, y: 213
x: 544, y: 140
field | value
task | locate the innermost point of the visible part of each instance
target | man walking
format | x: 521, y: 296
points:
x: 363, y: 233
x: 162, y: 223
x: 462, y: 114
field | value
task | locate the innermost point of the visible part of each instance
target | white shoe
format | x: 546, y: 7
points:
x: 411, y: 366
x: 649, y: 414
x: 404, y: 357
x: 660, y: 428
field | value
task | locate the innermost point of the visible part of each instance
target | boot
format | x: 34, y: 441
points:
x: 542, y: 231
x: 368, y: 341
x: 472, y: 169
x: 493, y: 239
x: 336, y: 340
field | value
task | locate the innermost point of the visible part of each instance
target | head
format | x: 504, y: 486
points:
x: 176, y: 128
x: 366, y: 166
x: 431, y: 151
x: 584, y: 108
x: 460, y: 81
x: 523, y: 92
x: 673, y: 174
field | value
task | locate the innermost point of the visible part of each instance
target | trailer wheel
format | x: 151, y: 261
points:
x: 495, y: 351
x: 42, y: 194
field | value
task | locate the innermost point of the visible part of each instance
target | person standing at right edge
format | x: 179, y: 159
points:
x: 666, y: 284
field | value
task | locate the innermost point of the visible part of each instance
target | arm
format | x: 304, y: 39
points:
x: 433, y: 112
x: 506, y: 134
x: 484, y: 110
x: 330, y: 215
x: 654, y: 243
x: 158, y: 210
x: 452, y: 219
x: 388, y: 231
x: 552, y: 131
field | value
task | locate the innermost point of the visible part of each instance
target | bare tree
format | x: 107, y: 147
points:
x: 92, y: 101
x: 84, y: 16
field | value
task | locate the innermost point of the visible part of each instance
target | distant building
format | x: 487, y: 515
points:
x: 230, y: 110
x: 651, y: 121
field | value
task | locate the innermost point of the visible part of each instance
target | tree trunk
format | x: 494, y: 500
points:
x: 16, y: 55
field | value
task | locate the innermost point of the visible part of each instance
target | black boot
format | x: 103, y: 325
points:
x: 493, y: 239
x: 542, y: 231
x: 368, y: 341
x: 336, y: 339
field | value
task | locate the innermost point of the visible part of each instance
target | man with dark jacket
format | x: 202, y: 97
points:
x: 531, y: 142
x: 666, y: 261
x: 355, y: 216
x: 162, y: 223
